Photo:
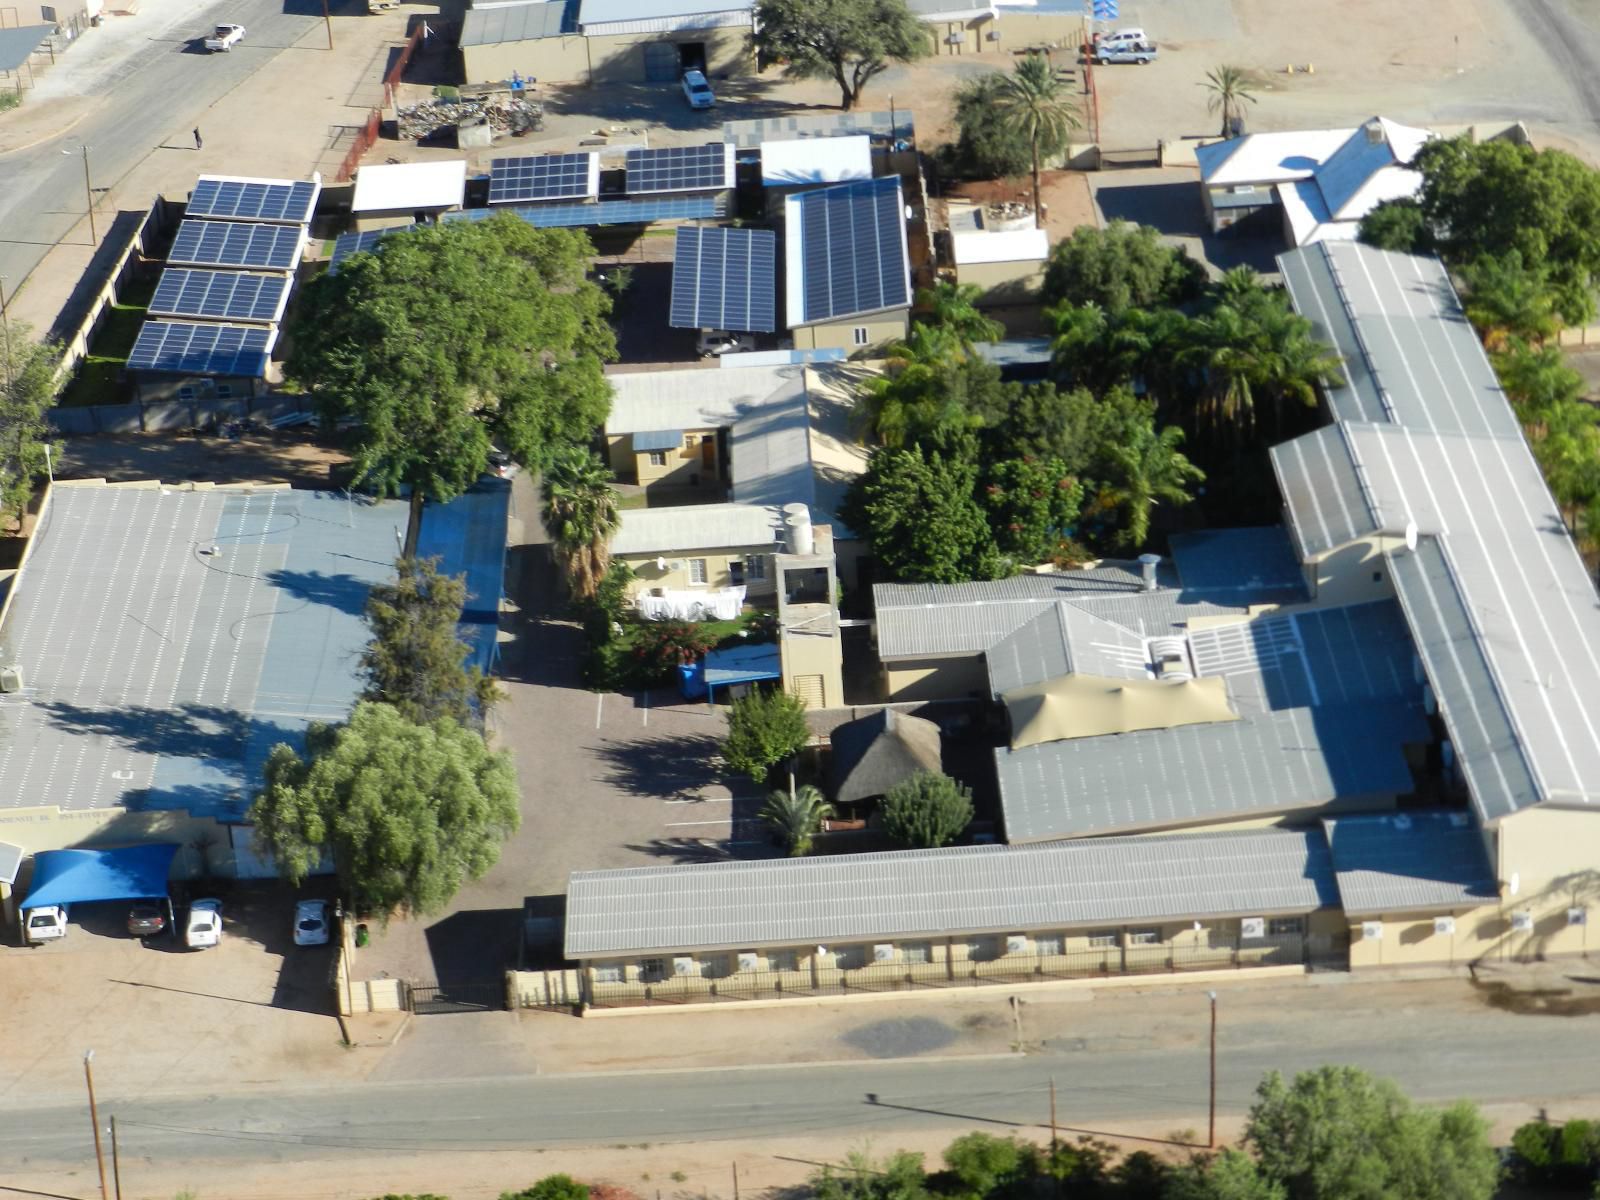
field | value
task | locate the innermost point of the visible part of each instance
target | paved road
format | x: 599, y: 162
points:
x: 1098, y: 1088
x: 155, y: 99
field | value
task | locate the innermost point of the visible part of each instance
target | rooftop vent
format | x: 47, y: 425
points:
x: 11, y: 678
x: 1147, y: 570
x: 1374, y: 131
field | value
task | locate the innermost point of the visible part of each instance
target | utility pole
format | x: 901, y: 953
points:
x: 116, y: 1159
x: 1053, y: 1138
x: 326, y: 20
x: 736, y: 1181
x: 88, y: 194
x: 1211, y: 1129
x: 94, y: 1120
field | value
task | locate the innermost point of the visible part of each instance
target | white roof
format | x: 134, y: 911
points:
x: 388, y: 186
x: 703, y: 398
x: 816, y: 160
x: 695, y: 527
x: 599, y: 12
x: 1012, y: 245
x: 1266, y: 158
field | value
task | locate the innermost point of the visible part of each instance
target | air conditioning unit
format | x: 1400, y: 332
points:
x: 1372, y: 931
x: 1521, y: 922
x: 1577, y: 916
x: 1253, y: 927
x: 675, y: 565
x: 683, y: 966
x: 1016, y: 944
x: 11, y: 678
x: 1444, y: 926
x: 883, y: 952
x: 749, y: 962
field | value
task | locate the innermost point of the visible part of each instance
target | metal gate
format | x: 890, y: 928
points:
x: 660, y: 62
x: 1113, y: 160
x: 471, y: 996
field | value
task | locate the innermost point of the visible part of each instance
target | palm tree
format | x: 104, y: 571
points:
x: 1149, y: 469
x: 796, y: 817
x: 1034, y: 100
x: 580, y: 515
x: 954, y: 307
x: 1230, y: 92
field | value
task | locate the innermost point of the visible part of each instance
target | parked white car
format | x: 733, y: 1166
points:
x: 311, y: 923
x: 205, y: 925
x: 224, y: 37
x: 46, y: 924
x: 1122, y: 37
x: 714, y: 343
x: 697, y: 91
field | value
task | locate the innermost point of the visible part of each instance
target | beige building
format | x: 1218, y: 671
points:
x: 705, y: 548
x: 847, y: 269
x: 1007, y: 264
x: 390, y: 195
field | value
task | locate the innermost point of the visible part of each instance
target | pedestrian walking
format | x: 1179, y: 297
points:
x: 198, y: 144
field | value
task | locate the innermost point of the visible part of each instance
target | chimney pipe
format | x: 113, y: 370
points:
x: 1147, y: 570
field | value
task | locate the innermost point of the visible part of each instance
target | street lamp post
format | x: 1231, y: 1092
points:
x: 1211, y: 1130
x: 94, y: 1119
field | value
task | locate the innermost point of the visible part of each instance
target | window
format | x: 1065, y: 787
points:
x: 917, y: 952
x: 1282, y: 926
x: 784, y: 960
x: 658, y: 458
x: 1143, y: 937
x: 1102, y: 941
x: 652, y: 970
x: 48, y: 14
x: 860, y: 335
x: 186, y: 392
x: 1049, y: 943
x: 755, y: 567
x: 736, y: 574
x: 697, y: 570
x: 610, y: 973
x: 224, y: 391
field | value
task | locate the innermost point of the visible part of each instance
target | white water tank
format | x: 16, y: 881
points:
x: 798, y: 538
x: 11, y: 678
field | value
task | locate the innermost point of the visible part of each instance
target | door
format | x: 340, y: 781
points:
x: 708, y: 453
x: 660, y: 62
x: 691, y: 56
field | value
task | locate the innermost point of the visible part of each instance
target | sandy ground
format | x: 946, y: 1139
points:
x: 264, y: 458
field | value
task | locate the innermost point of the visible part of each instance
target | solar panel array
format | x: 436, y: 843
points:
x: 606, y: 212
x: 365, y: 242
x: 236, y: 244
x: 220, y: 295
x: 724, y: 279
x: 679, y: 169
x: 201, y: 349
x: 853, y: 255
x: 241, y: 200
x: 542, y: 177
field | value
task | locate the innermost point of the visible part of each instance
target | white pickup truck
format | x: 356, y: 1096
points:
x: 45, y: 924
x: 1124, y: 51
x: 224, y: 37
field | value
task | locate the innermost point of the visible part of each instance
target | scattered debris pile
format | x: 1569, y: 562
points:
x: 1007, y: 210
x: 504, y: 113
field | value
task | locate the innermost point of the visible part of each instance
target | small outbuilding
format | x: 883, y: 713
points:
x: 875, y: 753
x: 388, y: 194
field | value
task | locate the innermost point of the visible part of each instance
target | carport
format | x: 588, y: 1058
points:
x: 726, y: 668
x: 62, y: 878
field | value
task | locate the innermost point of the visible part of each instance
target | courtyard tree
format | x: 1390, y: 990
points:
x: 916, y: 507
x: 1121, y: 266
x: 27, y: 387
x: 953, y: 308
x: 847, y: 41
x: 415, y: 660
x: 796, y: 817
x: 1034, y: 101
x: 1507, y: 300
x: 1148, y: 470
x: 1030, y: 503
x: 580, y: 515
x: 927, y: 810
x: 764, y: 728
x: 1228, y: 91
x: 409, y: 812
x: 454, y: 338
x: 988, y: 145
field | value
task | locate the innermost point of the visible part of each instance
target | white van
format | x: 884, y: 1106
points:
x: 41, y: 925
x: 1122, y: 37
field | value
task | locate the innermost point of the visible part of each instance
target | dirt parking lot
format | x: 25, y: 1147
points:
x: 296, y: 459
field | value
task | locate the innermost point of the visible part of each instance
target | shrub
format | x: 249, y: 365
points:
x: 659, y: 649
x: 927, y: 810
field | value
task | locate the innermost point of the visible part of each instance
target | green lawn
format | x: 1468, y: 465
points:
x: 96, y: 379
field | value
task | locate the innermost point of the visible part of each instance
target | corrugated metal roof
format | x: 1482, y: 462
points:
x: 748, y: 134
x: 1504, y: 574
x: 517, y: 23
x: 657, y: 439
x: 967, y: 889
x: 599, y: 12
x: 702, y: 398
x: 1256, y: 561
x: 1408, y: 862
x: 1322, y: 489
x: 695, y: 527
x: 1062, y: 639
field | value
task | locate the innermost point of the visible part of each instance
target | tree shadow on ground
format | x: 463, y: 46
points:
x: 676, y: 768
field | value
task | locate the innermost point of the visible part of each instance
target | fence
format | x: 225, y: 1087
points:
x: 559, y: 990
x: 156, y: 416
x: 1010, y: 971
x: 367, y: 135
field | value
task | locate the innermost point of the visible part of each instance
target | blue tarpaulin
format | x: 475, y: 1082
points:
x: 468, y: 536
x: 83, y: 876
x: 723, y: 668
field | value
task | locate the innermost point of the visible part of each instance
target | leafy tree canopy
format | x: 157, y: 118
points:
x: 1120, y: 266
x: 551, y: 1187
x: 410, y: 812
x: 764, y: 728
x: 454, y: 336
x: 580, y: 512
x: 27, y: 389
x: 988, y: 145
x: 917, y: 508
x: 415, y: 660
x: 1230, y: 1175
x: 926, y: 811
x: 847, y: 41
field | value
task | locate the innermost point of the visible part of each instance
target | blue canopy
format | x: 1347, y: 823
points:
x: 736, y: 664
x: 82, y: 876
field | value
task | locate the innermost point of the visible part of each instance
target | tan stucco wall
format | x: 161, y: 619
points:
x: 688, y: 459
x: 936, y: 678
x: 1003, y: 283
x: 49, y: 828
x: 620, y: 58
x: 840, y: 335
x: 974, y: 41
x: 647, y: 575
x: 547, y: 60
x: 1346, y: 575
x: 822, y: 660
x: 1019, y: 30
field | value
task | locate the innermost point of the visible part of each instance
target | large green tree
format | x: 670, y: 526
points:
x: 1230, y: 1175
x: 1338, y: 1133
x: 1120, y: 266
x: 415, y: 661
x: 953, y: 308
x: 1506, y: 299
x: 988, y: 144
x: 928, y: 810
x: 1148, y: 470
x: 457, y: 336
x: 1030, y: 504
x: 847, y: 41
x: 765, y: 727
x: 27, y: 388
x: 917, y: 509
x: 410, y: 812
x: 1034, y: 101
x: 580, y: 514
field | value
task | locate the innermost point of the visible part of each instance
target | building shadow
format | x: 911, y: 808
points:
x: 343, y: 592
x: 474, y: 944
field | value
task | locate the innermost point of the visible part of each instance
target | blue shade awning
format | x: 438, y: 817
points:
x: 468, y: 536
x: 724, y: 668
x: 83, y: 876
x: 659, y: 439
x: 17, y: 43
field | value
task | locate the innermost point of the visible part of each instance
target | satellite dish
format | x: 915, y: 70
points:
x: 1411, y: 535
x: 661, y: 564
x: 1516, y: 883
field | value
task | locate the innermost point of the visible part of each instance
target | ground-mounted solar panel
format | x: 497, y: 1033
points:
x: 220, y: 295
x: 365, y: 242
x: 606, y: 212
x: 679, y: 169
x: 852, y: 250
x: 724, y: 279
x: 285, y: 200
x: 236, y: 244
x: 191, y: 349
x: 543, y: 177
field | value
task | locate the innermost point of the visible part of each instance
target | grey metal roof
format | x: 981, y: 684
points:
x: 10, y: 862
x: 683, y: 528
x: 517, y: 23
x: 160, y: 676
x: 1060, y: 640
x: 1404, y: 862
x: 1321, y: 485
x: 700, y: 398
x: 1328, y: 703
x: 868, y: 756
x: 748, y: 134
x: 1451, y: 457
x: 966, y: 889
x: 1253, y: 561
x: 600, y: 12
